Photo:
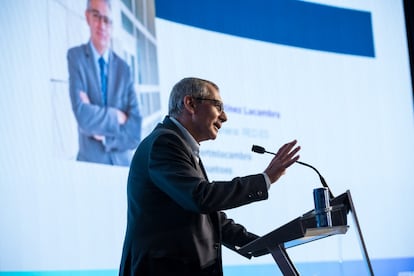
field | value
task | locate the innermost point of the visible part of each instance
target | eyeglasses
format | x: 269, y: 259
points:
x: 97, y: 17
x: 217, y: 103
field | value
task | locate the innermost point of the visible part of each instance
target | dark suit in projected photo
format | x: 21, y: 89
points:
x: 176, y: 224
x: 102, y: 94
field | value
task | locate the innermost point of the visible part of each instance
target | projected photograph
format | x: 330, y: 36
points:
x: 102, y: 113
x: 85, y: 82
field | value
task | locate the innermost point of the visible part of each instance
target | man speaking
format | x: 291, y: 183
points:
x: 176, y: 224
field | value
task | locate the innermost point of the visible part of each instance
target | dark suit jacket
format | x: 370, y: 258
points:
x: 97, y: 119
x: 175, y: 223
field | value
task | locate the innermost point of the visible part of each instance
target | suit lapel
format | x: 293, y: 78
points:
x: 95, y: 92
x: 110, y: 77
x: 200, y: 164
x: 196, y: 159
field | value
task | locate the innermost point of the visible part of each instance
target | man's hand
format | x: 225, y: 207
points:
x: 84, y: 97
x: 98, y: 137
x: 122, y: 117
x: 285, y: 157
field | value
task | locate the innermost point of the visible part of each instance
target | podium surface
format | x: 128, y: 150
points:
x: 302, y: 230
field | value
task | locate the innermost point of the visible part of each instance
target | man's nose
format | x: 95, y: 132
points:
x: 223, y: 116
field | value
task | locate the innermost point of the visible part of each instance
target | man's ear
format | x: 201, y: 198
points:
x: 189, y: 104
x: 87, y: 18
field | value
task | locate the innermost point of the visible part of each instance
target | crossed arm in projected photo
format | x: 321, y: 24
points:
x: 122, y: 116
x: 107, y: 133
x: 118, y: 128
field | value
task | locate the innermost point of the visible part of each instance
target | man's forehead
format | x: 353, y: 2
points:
x: 213, y: 89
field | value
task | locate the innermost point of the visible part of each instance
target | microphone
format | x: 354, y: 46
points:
x: 261, y: 150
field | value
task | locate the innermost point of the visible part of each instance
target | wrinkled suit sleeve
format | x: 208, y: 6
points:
x: 174, y: 172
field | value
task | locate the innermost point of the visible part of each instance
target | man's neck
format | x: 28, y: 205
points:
x: 99, y: 48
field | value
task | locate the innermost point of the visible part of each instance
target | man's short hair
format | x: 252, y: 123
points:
x: 195, y: 87
x: 107, y: 2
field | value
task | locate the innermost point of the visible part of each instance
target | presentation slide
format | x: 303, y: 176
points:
x: 332, y: 74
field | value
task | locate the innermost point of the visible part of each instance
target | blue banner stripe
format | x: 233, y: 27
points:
x: 287, y: 22
x: 382, y: 267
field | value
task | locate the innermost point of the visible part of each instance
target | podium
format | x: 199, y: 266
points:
x: 303, y: 230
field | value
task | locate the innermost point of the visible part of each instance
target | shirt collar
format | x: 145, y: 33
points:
x: 96, y: 55
x: 194, y: 145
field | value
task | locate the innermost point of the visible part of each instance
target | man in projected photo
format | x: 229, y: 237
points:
x: 102, y: 94
x: 176, y: 225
